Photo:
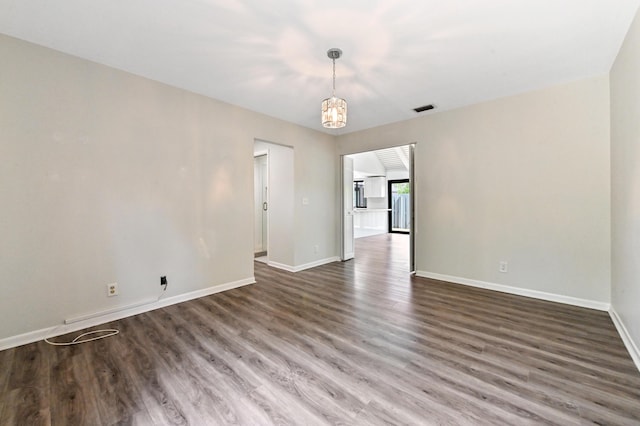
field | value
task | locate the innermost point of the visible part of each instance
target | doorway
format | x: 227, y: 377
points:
x: 261, y: 205
x: 385, y: 179
x: 274, y: 204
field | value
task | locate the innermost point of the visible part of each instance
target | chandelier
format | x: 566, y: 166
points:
x: 334, y: 110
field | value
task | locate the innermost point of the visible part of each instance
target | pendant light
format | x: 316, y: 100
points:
x: 334, y: 110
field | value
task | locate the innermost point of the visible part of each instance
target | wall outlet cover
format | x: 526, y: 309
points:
x: 112, y: 289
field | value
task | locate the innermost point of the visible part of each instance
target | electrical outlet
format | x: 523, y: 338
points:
x: 112, y: 289
x: 504, y: 266
x: 163, y: 281
x: 316, y: 248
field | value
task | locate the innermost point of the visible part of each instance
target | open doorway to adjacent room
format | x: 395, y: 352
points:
x: 273, y: 203
x: 261, y: 205
x: 378, y: 202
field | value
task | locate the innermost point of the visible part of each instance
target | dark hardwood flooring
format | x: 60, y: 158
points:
x: 359, y: 342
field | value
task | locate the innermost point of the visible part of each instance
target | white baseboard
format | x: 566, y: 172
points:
x: 299, y: 268
x: 626, y: 337
x: 92, y: 319
x: 551, y: 297
x: 282, y: 266
x: 23, y: 339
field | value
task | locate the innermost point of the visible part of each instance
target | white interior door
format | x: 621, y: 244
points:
x: 261, y: 202
x: 412, y: 208
x: 348, y: 251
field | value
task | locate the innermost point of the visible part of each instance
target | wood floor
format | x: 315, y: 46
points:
x: 350, y: 343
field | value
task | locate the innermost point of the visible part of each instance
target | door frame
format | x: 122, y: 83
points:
x: 346, y: 211
x: 255, y: 155
x: 412, y: 207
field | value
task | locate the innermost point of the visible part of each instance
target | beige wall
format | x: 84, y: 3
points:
x: 625, y: 185
x: 523, y: 179
x: 109, y: 177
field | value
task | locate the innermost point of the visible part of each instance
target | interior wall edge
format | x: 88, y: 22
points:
x: 100, y: 317
x: 631, y: 346
x: 519, y: 291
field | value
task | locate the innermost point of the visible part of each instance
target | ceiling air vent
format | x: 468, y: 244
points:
x: 424, y: 108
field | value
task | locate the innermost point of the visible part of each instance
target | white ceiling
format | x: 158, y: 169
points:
x: 270, y: 56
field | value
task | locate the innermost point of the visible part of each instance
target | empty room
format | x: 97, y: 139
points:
x: 303, y: 213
